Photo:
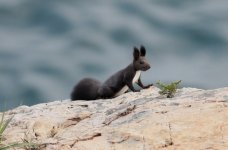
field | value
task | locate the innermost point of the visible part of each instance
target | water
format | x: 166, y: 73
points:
x: 48, y: 46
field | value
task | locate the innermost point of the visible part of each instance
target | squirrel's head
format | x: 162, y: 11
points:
x: 140, y: 62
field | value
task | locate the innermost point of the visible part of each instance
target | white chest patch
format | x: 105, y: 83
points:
x: 122, y: 91
x: 136, y: 78
x: 125, y: 88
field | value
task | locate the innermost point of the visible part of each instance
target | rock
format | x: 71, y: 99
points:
x: 193, y: 119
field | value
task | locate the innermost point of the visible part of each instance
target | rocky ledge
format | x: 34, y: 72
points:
x: 193, y: 119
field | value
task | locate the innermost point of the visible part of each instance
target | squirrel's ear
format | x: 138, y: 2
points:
x: 143, y: 51
x: 136, y: 53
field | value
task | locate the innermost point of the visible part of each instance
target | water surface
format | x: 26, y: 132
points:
x: 48, y: 46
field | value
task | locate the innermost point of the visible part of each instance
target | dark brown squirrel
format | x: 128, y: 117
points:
x: 117, y: 84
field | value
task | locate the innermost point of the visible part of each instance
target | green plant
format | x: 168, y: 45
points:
x: 17, y: 145
x: 168, y: 89
x: 3, y: 125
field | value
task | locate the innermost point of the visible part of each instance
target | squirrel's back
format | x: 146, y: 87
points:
x: 86, y: 89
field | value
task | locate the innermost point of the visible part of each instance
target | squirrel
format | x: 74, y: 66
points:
x: 116, y: 85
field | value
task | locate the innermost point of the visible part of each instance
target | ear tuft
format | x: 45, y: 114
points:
x: 136, y: 53
x: 143, y: 51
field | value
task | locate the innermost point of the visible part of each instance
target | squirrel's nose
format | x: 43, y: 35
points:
x: 148, y: 67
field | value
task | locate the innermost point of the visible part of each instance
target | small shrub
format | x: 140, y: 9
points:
x: 168, y: 89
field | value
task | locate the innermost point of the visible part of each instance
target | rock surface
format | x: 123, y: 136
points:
x: 193, y: 119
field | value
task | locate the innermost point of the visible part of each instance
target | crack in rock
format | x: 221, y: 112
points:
x: 90, y: 137
x: 113, y: 110
x: 75, y: 120
x: 170, y: 135
x: 118, y: 138
x: 119, y: 114
x: 168, y: 142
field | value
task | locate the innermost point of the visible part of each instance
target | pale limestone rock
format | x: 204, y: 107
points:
x: 193, y: 119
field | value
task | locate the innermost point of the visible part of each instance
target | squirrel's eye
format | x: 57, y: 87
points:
x: 141, y: 62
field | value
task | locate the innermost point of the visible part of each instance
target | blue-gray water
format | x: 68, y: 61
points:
x: 46, y: 46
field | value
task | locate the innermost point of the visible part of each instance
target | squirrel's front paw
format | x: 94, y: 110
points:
x: 137, y: 91
x: 146, y: 87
